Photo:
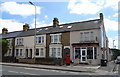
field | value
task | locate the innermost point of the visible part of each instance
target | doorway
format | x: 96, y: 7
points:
x: 83, y: 55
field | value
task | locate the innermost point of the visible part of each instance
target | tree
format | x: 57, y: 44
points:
x: 5, y: 46
x: 116, y: 52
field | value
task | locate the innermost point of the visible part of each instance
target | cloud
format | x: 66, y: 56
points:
x: 91, y: 6
x: 111, y: 3
x: 83, y: 7
x: 46, y: 16
x: 14, y: 8
x: 40, y: 24
x: 110, y: 25
x: 11, y: 25
x: 115, y: 15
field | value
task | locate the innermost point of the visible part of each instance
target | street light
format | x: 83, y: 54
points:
x: 35, y: 28
x: 113, y: 43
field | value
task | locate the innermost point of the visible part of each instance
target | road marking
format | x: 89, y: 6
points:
x: 13, y: 71
x: 28, y: 73
x: 74, y: 72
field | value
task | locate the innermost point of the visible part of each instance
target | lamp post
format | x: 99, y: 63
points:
x: 35, y: 28
x: 113, y: 43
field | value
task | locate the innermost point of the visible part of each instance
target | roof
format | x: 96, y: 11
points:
x: 10, y: 34
x: 75, y: 26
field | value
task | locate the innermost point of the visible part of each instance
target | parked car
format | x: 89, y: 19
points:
x: 117, y: 61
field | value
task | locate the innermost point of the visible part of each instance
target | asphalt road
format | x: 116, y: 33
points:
x: 13, y: 70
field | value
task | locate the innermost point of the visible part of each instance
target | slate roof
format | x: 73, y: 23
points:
x: 75, y: 26
x: 10, y: 34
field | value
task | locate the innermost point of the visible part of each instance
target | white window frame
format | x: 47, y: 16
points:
x: 53, y: 38
x: 86, y: 36
x: 40, y: 52
x: 19, y: 52
x: 19, y: 41
x: 56, y: 54
x: 41, y: 41
x: 92, y: 36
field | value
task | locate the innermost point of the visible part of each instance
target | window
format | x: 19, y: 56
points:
x: 89, y: 52
x: 21, y: 52
x: 77, y: 53
x: 55, y: 52
x: 95, y: 52
x: 81, y: 36
x: 20, y: 41
x: 40, y: 39
x: 86, y: 35
x: 17, y: 52
x: 10, y: 52
x: 55, y: 38
x: 59, y: 52
x: 37, y: 52
x: 40, y: 52
x: 92, y: 36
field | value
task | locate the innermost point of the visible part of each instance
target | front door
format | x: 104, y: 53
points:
x: 83, y: 55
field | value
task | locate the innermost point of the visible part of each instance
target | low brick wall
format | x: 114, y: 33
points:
x: 26, y: 61
x: 51, y: 61
x: 8, y: 59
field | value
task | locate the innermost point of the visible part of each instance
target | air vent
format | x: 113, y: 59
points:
x: 37, y: 31
x: 69, y: 27
x: 95, y: 21
x: 40, y: 29
x: 46, y: 28
x: 60, y: 26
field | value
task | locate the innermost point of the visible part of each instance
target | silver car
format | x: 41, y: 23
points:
x: 117, y: 61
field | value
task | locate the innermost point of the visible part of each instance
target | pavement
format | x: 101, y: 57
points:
x: 74, y: 68
x: 77, y: 68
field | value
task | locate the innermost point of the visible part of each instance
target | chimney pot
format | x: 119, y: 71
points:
x: 4, y: 31
x: 101, y: 16
x: 55, y: 22
x: 25, y: 27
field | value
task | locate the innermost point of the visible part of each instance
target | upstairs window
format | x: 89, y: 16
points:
x: 20, y: 41
x: 81, y: 36
x: 86, y: 36
x: 92, y: 36
x: 10, y: 42
x: 56, y: 38
x: 40, y: 39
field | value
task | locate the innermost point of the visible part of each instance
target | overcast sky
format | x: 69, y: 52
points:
x: 15, y: 14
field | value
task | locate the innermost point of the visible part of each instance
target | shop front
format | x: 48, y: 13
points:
x: 85, y: 53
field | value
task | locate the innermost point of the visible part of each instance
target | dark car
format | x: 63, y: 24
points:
x: 117, y: 61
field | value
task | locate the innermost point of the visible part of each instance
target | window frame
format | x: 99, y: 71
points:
x: 39, y: 52
x: 58, y: 38
x: 56, y: 52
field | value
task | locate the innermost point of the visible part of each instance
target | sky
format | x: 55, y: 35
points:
x: 15, y: 14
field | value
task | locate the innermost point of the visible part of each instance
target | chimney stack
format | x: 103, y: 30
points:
x: 4, y: 31
x: 55, y: 22
x: 25, y: 27
x: 101, y: 16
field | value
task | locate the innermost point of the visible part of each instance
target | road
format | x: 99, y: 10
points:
x: 13, y: 70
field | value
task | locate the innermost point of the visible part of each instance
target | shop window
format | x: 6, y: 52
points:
x: 89, y: 52
x: 95, y: 52
x: 77, y: 53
